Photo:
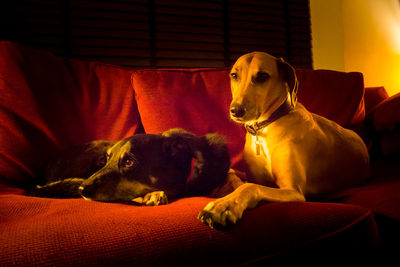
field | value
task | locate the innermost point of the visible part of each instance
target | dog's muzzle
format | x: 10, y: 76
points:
x: 238, y: 110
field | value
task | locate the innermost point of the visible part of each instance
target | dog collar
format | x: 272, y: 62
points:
x: 281, y: 111
x: 192, y: 166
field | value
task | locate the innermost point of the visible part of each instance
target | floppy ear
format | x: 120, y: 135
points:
x: 289, y: 76
x: 177, y: 147
x: 176, y: 131
x: 179, y: 141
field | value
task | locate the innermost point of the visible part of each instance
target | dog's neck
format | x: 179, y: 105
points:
x: 282, y: 110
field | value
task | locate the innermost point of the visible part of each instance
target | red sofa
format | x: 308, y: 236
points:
x: 48, y: 104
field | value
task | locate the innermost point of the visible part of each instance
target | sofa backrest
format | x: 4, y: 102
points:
x: 198, y: 100
x: 48, y: 104
x: 338, y: 96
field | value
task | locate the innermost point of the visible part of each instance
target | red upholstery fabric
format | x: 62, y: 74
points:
x: 373, y: 96
x: 77, y: 232
x: 198, y: 100
x: 49, y: 103
x: 381, y: 196
x: 387, y: 115
x: 335, y: 95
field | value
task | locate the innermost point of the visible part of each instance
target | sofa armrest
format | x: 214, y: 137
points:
x: 386, y: 123
x: 386, y: 116
x: 373, y: 96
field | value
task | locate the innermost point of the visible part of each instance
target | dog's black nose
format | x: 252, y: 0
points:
x: 237, y: 110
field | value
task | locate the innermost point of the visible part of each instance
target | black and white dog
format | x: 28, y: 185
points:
x: 143, y: 169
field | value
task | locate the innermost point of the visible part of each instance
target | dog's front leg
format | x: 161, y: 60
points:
x: 229, y: 209
x: 155, y: 198
x: 67, y: 188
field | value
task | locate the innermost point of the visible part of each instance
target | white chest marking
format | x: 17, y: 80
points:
x: 260, y: 149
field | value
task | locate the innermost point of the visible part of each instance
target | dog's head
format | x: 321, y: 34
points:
x: 176, y: 162
x: 260, y: 83
x: 79, y: 161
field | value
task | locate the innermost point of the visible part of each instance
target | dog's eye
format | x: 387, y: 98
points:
x: 261, y: 77
x: 234, y: 76
x: 128, y: 162
x: 104, y: 159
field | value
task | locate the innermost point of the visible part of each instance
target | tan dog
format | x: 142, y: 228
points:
x: 291, y: 153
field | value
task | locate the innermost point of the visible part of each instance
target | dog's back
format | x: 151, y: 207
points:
x: 332, y: 157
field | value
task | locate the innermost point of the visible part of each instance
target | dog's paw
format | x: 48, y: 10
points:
x: 155, y: 198
x: 221, y: 212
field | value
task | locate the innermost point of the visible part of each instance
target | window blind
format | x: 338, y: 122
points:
x: 163, y: 33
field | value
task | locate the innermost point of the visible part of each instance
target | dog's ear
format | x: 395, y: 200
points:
x: 289, y: 76
x: 176, y: 132
x: 177, y: 147
x: 179, y: 142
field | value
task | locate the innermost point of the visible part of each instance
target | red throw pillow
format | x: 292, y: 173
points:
x: 193, y: 99
x: 387, y: 114
x: 374, y: 96
x: 335, y: 95
x: 49, y: 103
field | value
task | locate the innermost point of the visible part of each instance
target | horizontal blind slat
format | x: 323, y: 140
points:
x: 186, y: 33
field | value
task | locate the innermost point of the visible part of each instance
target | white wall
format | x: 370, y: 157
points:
x: 358, y: 35
x: 327, y: 34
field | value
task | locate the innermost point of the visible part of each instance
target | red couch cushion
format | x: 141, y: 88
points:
x: 49, y: 103
x: 194, y: 99
x: 37, y: 231
x: 338, y: 96
x: 198, y: 100
x: 373, y: 96
x: 387, y: 114
x: 381, y: 195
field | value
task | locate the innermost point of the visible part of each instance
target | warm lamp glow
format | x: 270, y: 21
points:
x: 372, y: 41
x: 387, y: 16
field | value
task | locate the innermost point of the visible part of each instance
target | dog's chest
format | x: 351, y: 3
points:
x: 258, y: 157
x: 259, y: 147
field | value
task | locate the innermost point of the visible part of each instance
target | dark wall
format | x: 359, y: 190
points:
x: 162, y: 33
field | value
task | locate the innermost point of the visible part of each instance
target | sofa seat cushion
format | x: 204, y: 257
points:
x: 198, y: 100
x: 381, y: 195
x: 38, y: 231
x: 49, y: 103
